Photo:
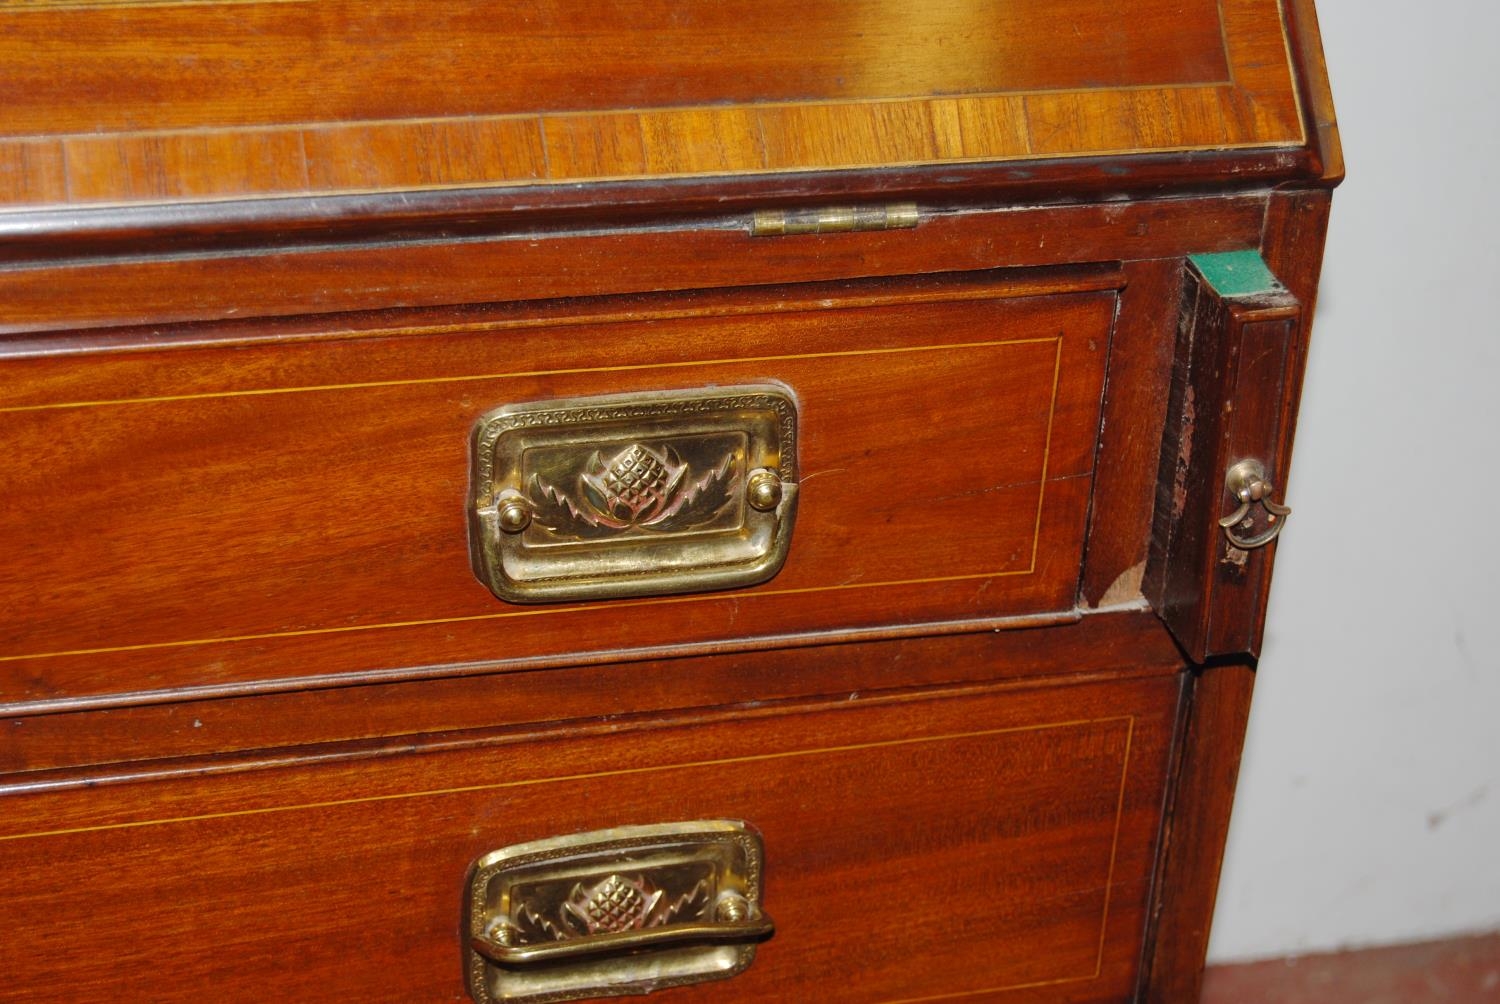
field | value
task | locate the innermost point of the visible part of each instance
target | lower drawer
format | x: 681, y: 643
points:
x: 973, y: 842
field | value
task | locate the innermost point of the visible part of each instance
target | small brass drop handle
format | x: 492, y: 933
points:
x: 1247, y: 482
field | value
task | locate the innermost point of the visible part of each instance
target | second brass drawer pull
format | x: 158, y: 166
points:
x: 1247, y: 482
x: 628, y: 910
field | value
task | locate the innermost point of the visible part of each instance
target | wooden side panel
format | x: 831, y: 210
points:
x: 1219, y: 698
x: 965, y: 844
x: 216, y: 516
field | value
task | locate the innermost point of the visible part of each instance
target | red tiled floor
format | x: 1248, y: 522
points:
x: 1461, y: 971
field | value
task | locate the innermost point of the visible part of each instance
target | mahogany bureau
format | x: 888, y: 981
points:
x: 528, y: 502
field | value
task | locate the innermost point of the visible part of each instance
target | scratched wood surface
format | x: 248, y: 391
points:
x: 964, y: 842
x: 121, y: 102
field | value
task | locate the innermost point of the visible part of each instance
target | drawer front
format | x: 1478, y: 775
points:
x: 957, y: 843
x: 231, y: 515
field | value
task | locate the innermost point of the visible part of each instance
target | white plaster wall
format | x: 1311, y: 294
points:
x: 1369, y: 800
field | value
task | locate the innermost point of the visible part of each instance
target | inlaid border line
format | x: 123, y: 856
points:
x: 573, y: 608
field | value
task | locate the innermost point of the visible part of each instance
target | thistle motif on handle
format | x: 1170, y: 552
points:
x: 613, y: 904
x: 638, y: 488
x: 639, y: 494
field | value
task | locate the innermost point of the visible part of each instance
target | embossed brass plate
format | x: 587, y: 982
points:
x: 666, y: 492
x: 621, y: 911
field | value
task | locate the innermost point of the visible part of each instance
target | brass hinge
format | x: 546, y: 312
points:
x: 833, y: 220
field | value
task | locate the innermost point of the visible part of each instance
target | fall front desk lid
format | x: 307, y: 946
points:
x: 111, y: 102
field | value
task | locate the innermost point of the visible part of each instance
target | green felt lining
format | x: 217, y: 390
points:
x: 1236, y: 273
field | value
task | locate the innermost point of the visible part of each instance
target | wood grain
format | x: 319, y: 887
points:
x: 184, y: 166
x: 1259, y: 53
x: 430, y: 154
x: 979, y: 128
x: 171, y: 102
x: 1047, y: 801
x: 244, y: 483
x: 254, y: 64
x: 32, y: 172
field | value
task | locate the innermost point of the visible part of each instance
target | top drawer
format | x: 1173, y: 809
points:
x: 262, y: 504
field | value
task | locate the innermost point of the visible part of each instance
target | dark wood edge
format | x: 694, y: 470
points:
x: 1319, y: 118
x: 303, y: 221
x: 1156, y: 896
x: 1123, y: 499
x: 1166, y: 504
x: 1196, y: 827
x: 1292, y: 244
x: 1217, y: 701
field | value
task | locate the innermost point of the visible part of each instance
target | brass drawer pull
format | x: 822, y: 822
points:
x: 1247, y: 482
x: 634, y: 495
x: 627, y: 910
